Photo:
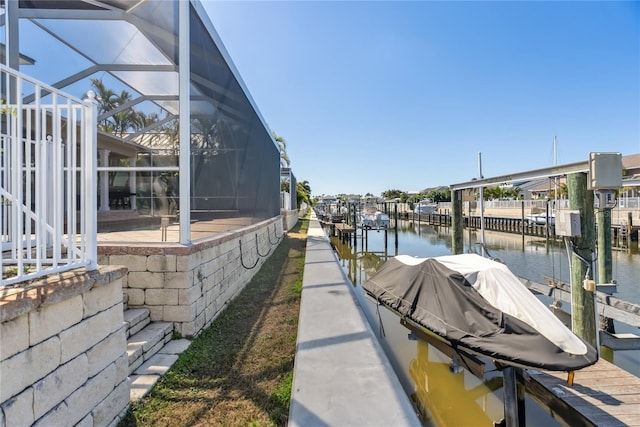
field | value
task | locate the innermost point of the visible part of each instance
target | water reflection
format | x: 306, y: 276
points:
x: 448, y: 398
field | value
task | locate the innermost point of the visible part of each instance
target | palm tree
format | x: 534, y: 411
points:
x: 124, y: 121
x: 207, y: 137
x: 306, y: 187
x: 282, y: 147
x: 563, y: 191
x: 106, y: 102
x: 127, y: 119
x: 303, y: 192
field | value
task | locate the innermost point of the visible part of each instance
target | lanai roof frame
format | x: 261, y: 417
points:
x: 213, y: 84
x: 48, y: 14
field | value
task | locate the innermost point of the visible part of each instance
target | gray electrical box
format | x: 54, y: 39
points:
x: 568, y: 223
x: 605, y: 171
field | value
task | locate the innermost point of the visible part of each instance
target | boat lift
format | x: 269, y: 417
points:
x: 604, y: 174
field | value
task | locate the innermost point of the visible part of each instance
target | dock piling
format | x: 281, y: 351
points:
x: 511, y: 410
x: 456, y: 222
x: 582, y: 302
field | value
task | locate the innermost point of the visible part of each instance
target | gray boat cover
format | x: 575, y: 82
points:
x: 480, y: 306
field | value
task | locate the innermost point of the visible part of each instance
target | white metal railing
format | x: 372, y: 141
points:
x: 47, y: 180
x: 528, y: 204
x: 630, y: 203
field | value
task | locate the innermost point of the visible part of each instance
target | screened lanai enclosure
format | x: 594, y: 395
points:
x: 288, y: 185
x: 181, y: 144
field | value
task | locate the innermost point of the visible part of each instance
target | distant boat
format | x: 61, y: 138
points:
x: 374, y: 220
x: 337, y: 213
x: 425, y: 207
x: 382, y: 219
x: 370, y: 217
x: 367, y: 220
x: 540, y: 219
x: 479, y: 307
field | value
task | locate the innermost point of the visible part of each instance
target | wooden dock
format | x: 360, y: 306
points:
x: 341, y: 229
x: 602, y: 395
x: 344, y: 228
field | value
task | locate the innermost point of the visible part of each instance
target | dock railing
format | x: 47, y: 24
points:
x: 626, y: 202
x: 48, y: 182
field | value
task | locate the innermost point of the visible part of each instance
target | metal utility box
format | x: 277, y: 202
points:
x: 605, y: 171
x: 568, y: 223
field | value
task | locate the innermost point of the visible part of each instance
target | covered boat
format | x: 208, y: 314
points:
x: 479, y: 306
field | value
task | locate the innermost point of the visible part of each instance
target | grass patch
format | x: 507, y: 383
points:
x: 239, y: 371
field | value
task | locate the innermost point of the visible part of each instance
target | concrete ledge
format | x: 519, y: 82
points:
x: 341, y: 374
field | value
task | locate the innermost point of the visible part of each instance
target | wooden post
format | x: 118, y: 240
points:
x: 395, y: 216
x: 521, y: 394
x: 365, y: 247
x: 355, y: 228
x: 352, y: 214
x: 456, y: 222
x: 583, y: 319
x: 395, y: 226
x: 607, y: 354
x: 547, y: 225
x: 386, y: 239
x: 522, y: 223
x: 603, y: 221
x: 510, y: 397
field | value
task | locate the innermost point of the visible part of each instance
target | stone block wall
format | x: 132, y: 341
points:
x: 191, y: 285
x: 289, y: 219
x: 63, y: 346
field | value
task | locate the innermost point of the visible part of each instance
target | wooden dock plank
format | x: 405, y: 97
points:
x: 344, y: 228
x: 603, y: 394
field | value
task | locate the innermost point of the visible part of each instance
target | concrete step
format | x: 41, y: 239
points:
x: 147, y: 375
x: 150, y: 349
x: 136, y: 319
x: 144, y: 344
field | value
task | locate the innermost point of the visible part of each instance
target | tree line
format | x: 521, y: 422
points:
x: 211, y: 132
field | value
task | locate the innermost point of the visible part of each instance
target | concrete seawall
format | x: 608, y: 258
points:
x: 341, y: 374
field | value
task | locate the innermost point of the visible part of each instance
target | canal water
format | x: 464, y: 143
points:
x: 444, y: 394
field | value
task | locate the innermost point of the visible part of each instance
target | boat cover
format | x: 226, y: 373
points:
x: 479, y: 305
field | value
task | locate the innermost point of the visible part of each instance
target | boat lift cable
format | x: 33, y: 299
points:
x: 572, y: 249
x: 589, y: 264
x: 242, y: 259
x: 485, y: 252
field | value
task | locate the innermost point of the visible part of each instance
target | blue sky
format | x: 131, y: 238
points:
x: 372, y: 96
